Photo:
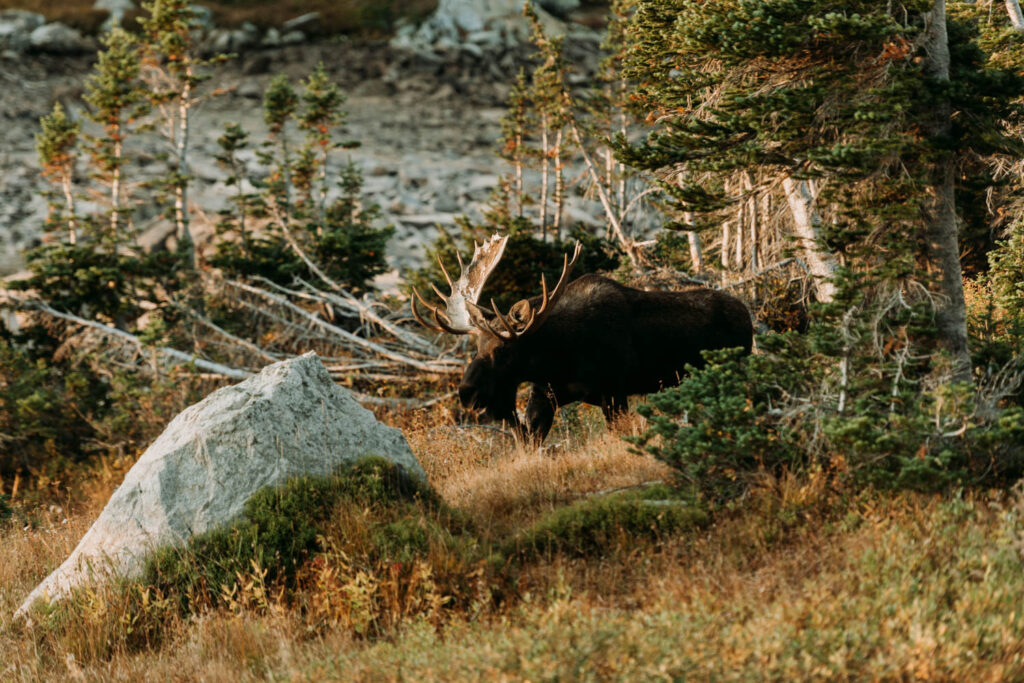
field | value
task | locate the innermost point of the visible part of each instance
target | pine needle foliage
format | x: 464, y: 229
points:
x: 844, y: 100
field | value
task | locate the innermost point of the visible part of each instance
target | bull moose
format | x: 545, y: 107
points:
x: 592, y: 339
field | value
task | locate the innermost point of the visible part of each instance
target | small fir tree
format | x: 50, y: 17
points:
x: 116, y: 98
x: 57, y: 146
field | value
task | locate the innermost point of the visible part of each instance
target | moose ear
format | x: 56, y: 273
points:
x: 520, y: 313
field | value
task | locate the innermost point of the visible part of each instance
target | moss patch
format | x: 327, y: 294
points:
x: 592, y: 526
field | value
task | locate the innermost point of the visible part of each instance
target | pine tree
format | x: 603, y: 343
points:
x: 850, y: 109
x: 233, y: 218
x: 174, y: 73
x: 56, y: 143
x: 115, y: 96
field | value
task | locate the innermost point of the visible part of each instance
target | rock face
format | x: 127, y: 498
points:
x: 56, y: 38
x: 487, y: 25
x: 16, y: 25
x: 289, y: 420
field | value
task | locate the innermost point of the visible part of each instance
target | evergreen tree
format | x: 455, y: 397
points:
x: 866, y: 120
x: 115, y: 97
x: 174, y: 74
x: 56, y: 144
x: 852, y: 110
x: 308, y: 235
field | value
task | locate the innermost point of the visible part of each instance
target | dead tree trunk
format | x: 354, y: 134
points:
x: 939, y: 207
x: 820, y: 262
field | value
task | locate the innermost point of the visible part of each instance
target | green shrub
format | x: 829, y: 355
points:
x: 593, y: 526
x: 43, y: 406
x: 280, y: 529
x: 718, y: 426
x: 779, y: 410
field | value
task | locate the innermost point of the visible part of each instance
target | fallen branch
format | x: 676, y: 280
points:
x: 442, y: 366
x: 180, y: 356
x: 400, y: 402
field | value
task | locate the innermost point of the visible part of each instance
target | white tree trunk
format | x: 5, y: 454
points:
x: 939, y: 207
x: 1016, y: 15
x: 696, y: 253
x: 821, y: 263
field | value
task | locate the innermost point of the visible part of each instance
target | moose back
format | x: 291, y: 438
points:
x: 592, y: 340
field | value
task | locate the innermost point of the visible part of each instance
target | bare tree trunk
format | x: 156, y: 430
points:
x: 739, y: 238
x: 544, y: 177
x: 518, y: 161
x: 748, y: 185
x: 821, y: 263
x: 69, y: 205
x: 940, y: 208
x: 559, y: 185
x: 696, y: 255
x: 115, y: 187
x: 726, y: 239
x: 1016, y: 15
x: 181, y: 218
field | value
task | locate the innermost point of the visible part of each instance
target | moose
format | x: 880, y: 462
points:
x: 592, y: 340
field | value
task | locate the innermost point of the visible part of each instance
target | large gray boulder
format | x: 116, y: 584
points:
x: 288, y: 420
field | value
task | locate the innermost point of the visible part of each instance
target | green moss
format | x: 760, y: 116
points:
x: 592, y: 526
x: 280, y: 527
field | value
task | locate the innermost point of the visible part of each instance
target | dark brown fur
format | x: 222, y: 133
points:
x: 602, y: 342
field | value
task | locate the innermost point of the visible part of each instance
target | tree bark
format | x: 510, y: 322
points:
x: 1016, y: 15
x: 820, y: 262
x: 939, y: 208
x: 696, y: 254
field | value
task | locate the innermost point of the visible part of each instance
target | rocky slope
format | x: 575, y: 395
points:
x: 428, y: 121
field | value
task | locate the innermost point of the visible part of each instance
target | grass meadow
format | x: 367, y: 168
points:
x: 802, y: 579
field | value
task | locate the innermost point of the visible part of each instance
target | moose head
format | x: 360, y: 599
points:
x: 503, y: 340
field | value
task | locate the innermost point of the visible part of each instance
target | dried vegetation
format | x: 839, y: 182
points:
x: 801, y: 579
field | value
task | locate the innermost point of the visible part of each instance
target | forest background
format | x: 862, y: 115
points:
x: 851, y: 170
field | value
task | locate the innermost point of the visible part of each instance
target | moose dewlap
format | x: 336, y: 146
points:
x: 287, y: 421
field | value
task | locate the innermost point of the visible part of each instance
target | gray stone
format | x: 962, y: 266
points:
x: 488, y: 40
x: 559, y: 8
x: 473, y: 49
x: 287, y: 421
x: 302, y: 22
x: 446, y: 203
x: 293, y: 38
x: 16, y: 25
x: 272, y: 37
x: 58, y: 39
x: 202, y: 17
x: 230, y: 40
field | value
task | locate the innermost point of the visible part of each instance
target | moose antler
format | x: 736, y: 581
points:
x: 528, y: 319
x: 461, y: 314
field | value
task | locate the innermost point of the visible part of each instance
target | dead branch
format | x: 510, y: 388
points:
x: 442, y: 366
x: 179, y: 356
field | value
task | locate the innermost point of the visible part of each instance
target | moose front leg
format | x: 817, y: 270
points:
x: 614, y: 407
x: 540, y: 413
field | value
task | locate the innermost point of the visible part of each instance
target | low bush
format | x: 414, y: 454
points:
x: 280, y: 529
x: 596, y: 525
x: 787, y: 409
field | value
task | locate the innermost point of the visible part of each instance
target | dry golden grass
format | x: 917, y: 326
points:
x: 799, y: 582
